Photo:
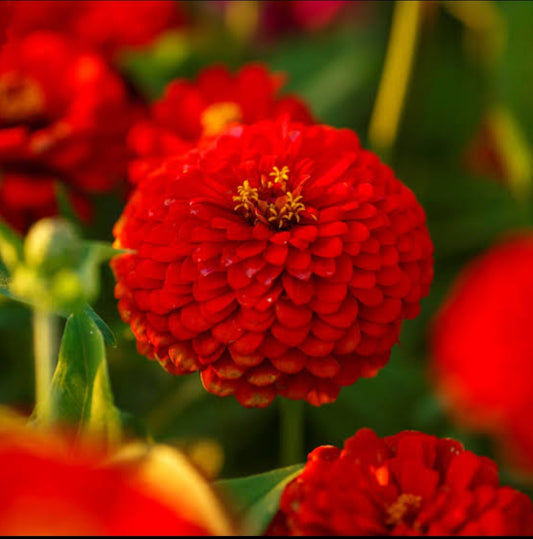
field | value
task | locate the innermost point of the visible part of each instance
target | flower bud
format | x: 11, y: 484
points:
x: 52, y: 244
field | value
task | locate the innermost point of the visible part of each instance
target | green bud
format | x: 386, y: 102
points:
x: 52, y: 244
x: 67, y: 290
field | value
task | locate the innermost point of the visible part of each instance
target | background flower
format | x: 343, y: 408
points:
x: 481, y: 346
x: 51, y: 484
x: 410, y: 483
x: 191, y: 110
x: 281, y: 259
x: 63, y: 118
x: 108, y: 27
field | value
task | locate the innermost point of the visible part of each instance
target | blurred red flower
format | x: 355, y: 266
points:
x: 189, y: 111
x: 6, y: 10
x: 64, y: 116
x: 482, y: 348
x: 280, y: 260
x: 407, y: 484
x: 51, y: 485
x: 109, y: 26
x: 307, y: 15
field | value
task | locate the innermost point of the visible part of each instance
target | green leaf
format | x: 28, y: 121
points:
x: 81, y: 391
x: 11, y: 251
x: 105, y: 330
x: 257, y: 496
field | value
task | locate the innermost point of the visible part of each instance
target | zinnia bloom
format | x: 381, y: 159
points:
x: 192, y: 110
x: 108, y: 26
x: 280, y: 260
x: 482, y: 346
x: 407, y: 484
x: 64, y: 116
x: 50, y: 485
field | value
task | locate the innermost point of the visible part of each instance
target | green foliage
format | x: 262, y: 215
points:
x: 338, y: 71
x: 256, y: 497
x: 81, y: 392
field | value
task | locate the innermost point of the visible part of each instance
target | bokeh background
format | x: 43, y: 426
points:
x: 462, y: 144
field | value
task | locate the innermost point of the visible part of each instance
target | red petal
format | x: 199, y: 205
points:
x: 349, y: 342
x: 248, y: 343
x: 291, y: 362
x: 276, y: 254
x: 332, y: 229
x: 344, y: 316
x: 300, y: 292
x: 327, y: 247
x: 324, y: 367
x: 290, y: 337
x: 316, y: 347
x: 292, y: 316
x: 330, y: 292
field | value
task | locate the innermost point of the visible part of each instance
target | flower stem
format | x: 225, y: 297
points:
x: 291, y: 432
x: 395, y: 77
x: 45, y: 346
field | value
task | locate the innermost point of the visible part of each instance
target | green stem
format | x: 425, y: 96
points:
x: 45, y: 346
x: 395, y: 77
x: 291, y: 432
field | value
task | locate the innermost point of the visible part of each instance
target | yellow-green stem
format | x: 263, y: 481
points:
x: 395, y: 77
x: 291, y: 432
x: 45, y: 346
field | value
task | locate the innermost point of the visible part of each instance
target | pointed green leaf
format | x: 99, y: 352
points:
x: 105, y: 330
x: 257, y: 496
x: 81, y: 392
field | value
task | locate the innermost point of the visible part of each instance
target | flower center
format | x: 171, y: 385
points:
x: 270, y: 202
x: 404, y: 509
x: 219, y: 115
x: 21, y: 98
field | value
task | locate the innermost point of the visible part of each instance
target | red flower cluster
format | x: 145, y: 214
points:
x: 49, y: 486
x: 193, y: 110
x: 407, y: 484
x: 482, y: 347
x: 107, y: 26
x: 281, y: 259
x: 64, y: 115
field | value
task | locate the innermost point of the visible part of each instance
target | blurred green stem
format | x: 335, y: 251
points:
x: 45, y: 346
x: 395, y: 77
x: 291, y: 432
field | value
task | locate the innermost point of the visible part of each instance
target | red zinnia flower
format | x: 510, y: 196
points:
x: 407, y: 484
x: 109, y: 26
x: 63, y: 117
x: 282, y: 259
x: 52, y: 486
x: 482, y: 346
x: 189, y: 111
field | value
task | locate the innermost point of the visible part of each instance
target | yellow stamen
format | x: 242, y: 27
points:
x: 280, y: 176
x: 401, y: 507
x: 246, y: 198
x: 20, y: 98
x: 218, y: 116
x: 288, y: 213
